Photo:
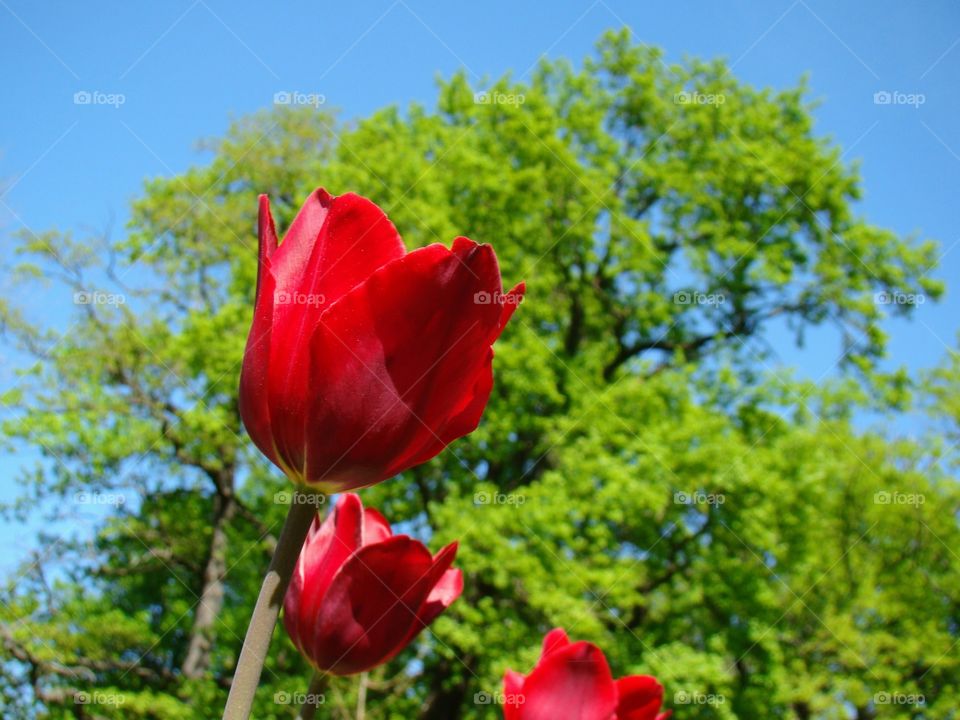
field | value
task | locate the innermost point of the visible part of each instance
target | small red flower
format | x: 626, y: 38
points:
x: 364, y: 360
x: 572, y: 681
x: 360, y: 594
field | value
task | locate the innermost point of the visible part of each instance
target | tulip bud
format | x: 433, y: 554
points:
x: 573, y: 681
x: 364, y: 360
x: 360, y: 594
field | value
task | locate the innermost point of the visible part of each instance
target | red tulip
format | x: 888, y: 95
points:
x: 364, y: 360
x: 360, y: 594
x: 572, y: 681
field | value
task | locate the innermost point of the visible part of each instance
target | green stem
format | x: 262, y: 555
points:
x: 309, y: 707
x: 362, y: 696
x: 256, y: 644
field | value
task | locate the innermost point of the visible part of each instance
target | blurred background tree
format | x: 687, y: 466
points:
x: 643, y: 476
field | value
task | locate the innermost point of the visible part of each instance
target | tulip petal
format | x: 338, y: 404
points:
x: 640, y: 698
x: 462, y: 421
x: 465, y: 419
x: 254, y: 407
x: 512, y: 695
x: 333, y: 244
x: 572, y: 681
x: 371, y: 605
x: 511, y: 302
x: 327, y: 547
x: 375, y: 527
x: 266, y: 230
x: 447, y: 588
x: 393, y: 360
x: 554, y: 640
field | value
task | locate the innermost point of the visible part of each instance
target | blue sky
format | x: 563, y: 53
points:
x: 186, y: 67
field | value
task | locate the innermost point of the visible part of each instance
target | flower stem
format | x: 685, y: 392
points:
x: 256, y: 644
x: 309, y: 707
x: 362, y: 696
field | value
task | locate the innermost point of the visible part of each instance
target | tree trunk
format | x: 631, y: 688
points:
x: 446, y: 702
x: 197, y: 659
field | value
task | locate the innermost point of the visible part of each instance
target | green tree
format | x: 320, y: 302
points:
x: 639, y: 478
